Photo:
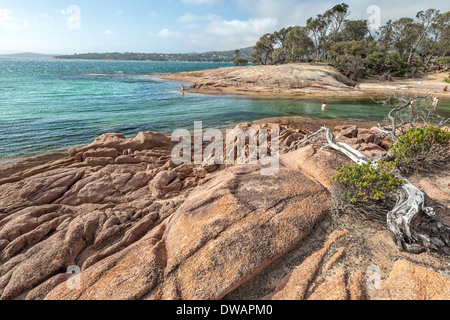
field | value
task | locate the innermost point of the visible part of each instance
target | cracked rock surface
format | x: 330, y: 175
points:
x: 139, y: 227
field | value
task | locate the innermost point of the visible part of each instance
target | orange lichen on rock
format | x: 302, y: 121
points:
x: 409, y: 281
x: 295, y: 285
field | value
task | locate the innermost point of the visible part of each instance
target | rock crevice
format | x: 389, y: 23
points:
x: 139, y: 227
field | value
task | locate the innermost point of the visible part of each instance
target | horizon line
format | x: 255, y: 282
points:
x: 120, y: 52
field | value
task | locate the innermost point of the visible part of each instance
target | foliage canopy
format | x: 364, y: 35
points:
x: 406, y: 46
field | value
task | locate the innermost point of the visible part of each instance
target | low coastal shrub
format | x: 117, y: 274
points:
x: 421, y: 149
x: 366, y: 182
x: 444, y: 62
x: 240, y: 62
x: 366, y: 189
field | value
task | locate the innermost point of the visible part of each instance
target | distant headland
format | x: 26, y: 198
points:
x: 213, y: 56
x: 29, y: 55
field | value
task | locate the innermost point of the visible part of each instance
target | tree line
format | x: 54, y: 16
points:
x: 407, y: 46
x: 214, y: 56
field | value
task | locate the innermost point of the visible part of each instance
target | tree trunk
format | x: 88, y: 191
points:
x: 425, y: 64
x: 410, y: 56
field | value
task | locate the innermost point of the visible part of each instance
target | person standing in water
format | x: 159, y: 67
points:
x: 435, y: 102
x: 324, y: 106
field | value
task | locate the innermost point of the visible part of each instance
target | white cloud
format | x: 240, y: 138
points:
x: 192, y: 26
x: 222, y: 34
x: 213, y: 32
x: 8, y: 21
x: 200, y: 2
x: 108, y: 32
x: 189, y: 18
x: 45, y: 16
x: 291, y: 12
x: 394, y: 9
x: 42, y: 18
x: 208, y: 31
x: 285, y: 12
x: 166, y: 33
x: 252, y: 26
x: 218, y: 33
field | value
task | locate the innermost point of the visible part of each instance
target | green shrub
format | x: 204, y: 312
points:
x: 366, y: 182
x: 240, y: 62
x: 421, y: 149
x: 444, y: 62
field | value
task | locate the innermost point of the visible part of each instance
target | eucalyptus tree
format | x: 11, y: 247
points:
x: 280, y: 53
x: 335, y: 18
x: 426, y: 23
x: 355, y: 30
x: 317, y: 29
x: 298, y: 44
x: 263, y: 50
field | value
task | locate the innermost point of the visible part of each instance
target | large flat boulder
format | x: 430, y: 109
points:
x: 287, y: 79
x: 236, y: 224
x: 230, y: 228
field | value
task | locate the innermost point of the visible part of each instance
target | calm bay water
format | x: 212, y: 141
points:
x: 48, y: 105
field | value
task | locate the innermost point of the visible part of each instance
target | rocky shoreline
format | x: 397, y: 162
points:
x: 140, y: 227
x: 300, y: 80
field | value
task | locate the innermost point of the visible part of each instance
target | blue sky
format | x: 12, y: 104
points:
x: 78, y: 26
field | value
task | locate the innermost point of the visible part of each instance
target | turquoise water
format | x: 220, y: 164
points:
x: 48, y: 105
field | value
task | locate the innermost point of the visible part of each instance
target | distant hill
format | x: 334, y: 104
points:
x: 213, y: 56
x: 27, y: 55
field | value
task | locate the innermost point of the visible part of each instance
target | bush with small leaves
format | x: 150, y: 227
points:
x: 366, y: 189
x: 421, y: 149
x: 240, y: 62
x: 367, y: 182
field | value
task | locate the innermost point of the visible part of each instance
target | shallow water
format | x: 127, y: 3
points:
x: 48, y: 105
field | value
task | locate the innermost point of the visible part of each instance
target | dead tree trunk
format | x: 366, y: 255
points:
x: 406, y: 215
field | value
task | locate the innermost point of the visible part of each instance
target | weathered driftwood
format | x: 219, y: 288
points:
x: 410, y: 222
x: 405, y: 215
